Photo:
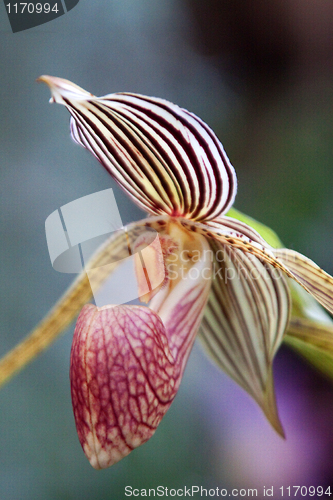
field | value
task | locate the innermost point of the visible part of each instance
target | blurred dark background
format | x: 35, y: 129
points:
x: 260, y: 74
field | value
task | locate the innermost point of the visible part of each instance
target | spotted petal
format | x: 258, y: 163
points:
x: 166, y: 158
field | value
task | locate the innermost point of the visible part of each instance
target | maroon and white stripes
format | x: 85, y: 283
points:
x: 166, y: 158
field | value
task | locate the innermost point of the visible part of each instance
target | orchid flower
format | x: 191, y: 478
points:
x: 241, y: 292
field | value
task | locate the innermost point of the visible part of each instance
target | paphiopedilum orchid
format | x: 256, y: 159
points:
x: 221, y: 278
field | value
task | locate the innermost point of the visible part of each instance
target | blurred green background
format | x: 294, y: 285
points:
x: 260, y: 74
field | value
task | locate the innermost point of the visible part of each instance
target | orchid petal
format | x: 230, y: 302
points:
x: 244, y: 322
x: 121, y: 374
x: 303, y: 271
x: 304, y: 305
x: 308, y: 274
x: 167, y: 159
x: 127, y: 363
x: 295, y: 265
x: 310, y: 329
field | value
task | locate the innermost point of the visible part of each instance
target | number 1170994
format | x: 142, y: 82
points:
x: 31, y: 8
x: 305, y: 491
